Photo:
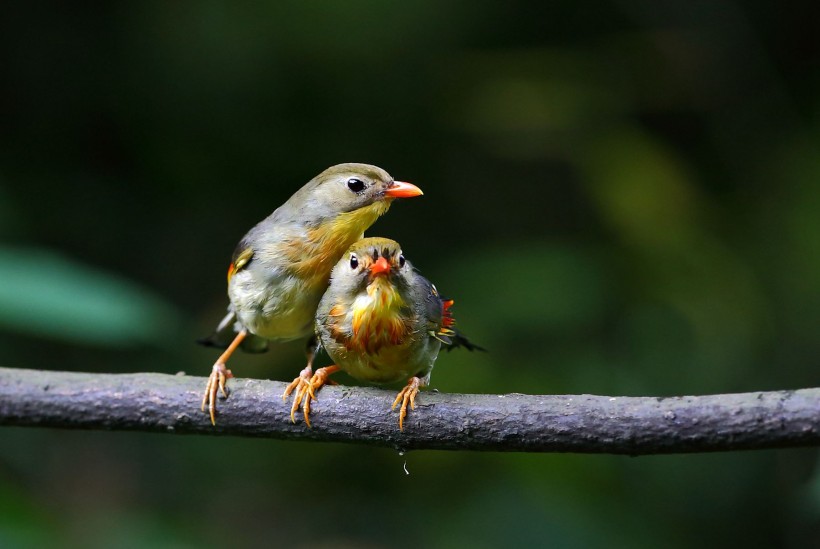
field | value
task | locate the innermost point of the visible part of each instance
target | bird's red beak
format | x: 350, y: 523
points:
x: 380, y: 266
x: 402, y: 189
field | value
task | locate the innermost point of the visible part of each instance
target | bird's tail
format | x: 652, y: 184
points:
x: 457, y: 339
x: 448, y: 334
x: 225, y: 333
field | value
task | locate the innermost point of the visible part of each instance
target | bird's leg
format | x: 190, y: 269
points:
x: 314, y: 385
x: 307, y: 383
x: 311, y: 348
x: 304, y: 377
x: 299, y: 385
x: 219, y: 375
x: 408, y: 395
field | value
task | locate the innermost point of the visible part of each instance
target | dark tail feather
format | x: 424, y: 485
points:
x: 212, y: 341
x: 251, y: 343
x: 226, y: 332
x: 459, y: 340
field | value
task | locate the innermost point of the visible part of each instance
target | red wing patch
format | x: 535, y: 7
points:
x: 447, y: 315
x: 239, y: 262
x: 447, y: 320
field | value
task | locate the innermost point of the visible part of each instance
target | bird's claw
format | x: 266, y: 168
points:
x: 407, y: 396
x: 300, y: 385
x: 216, y: 383
x: 306, y: 386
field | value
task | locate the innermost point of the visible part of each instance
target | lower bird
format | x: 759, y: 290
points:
x: 380, y: 321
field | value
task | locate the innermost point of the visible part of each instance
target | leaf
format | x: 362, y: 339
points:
x: 47, y: 294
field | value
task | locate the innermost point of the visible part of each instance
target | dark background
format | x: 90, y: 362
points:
x: 623, y: 197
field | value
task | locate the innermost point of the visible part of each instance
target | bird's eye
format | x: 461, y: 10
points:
x: 402, y: 261
x: 354, y: 261
x: 355, y: 185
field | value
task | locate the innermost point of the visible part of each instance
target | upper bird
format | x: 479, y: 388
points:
x: 281, y: 268
x: 380, y: 321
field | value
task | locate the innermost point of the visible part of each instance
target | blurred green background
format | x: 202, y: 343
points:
x: 623, y: 197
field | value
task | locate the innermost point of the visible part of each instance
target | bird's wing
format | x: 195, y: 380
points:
x: 440, y: 321
x: 241, y: 257
x: 436, y: 310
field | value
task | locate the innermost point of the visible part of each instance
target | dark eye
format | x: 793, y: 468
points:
x: 401, y: 260
x: 354, y: 261
x: 355, y: 185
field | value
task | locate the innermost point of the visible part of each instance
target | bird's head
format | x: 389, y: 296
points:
x: 372, y: 263
x: 350, y: 187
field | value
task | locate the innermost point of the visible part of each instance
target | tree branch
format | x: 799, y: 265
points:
x: 514, y: 422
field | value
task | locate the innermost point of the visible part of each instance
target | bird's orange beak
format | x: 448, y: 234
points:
x: 402, y: 189
x: 380, y: 266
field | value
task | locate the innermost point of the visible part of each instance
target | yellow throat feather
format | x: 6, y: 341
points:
x: 377, y: 317
x: 326, y: 243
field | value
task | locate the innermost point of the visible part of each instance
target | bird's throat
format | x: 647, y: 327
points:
x: 326, y: 243
x: 378, y: 317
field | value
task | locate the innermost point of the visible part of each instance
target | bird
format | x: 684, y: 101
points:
x: 281, y: 268
x: 380, y: 321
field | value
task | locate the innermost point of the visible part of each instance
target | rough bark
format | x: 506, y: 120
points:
x: 511, y: 422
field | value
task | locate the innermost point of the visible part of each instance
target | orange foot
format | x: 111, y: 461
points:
x: 216, y: 382
x: 219, y: 375
x: 306, y: 386
x: 408, y: 395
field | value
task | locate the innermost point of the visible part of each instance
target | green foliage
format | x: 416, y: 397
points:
x: 48, y: 295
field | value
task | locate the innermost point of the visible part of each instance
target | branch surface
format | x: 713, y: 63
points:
x: 512, y: 422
